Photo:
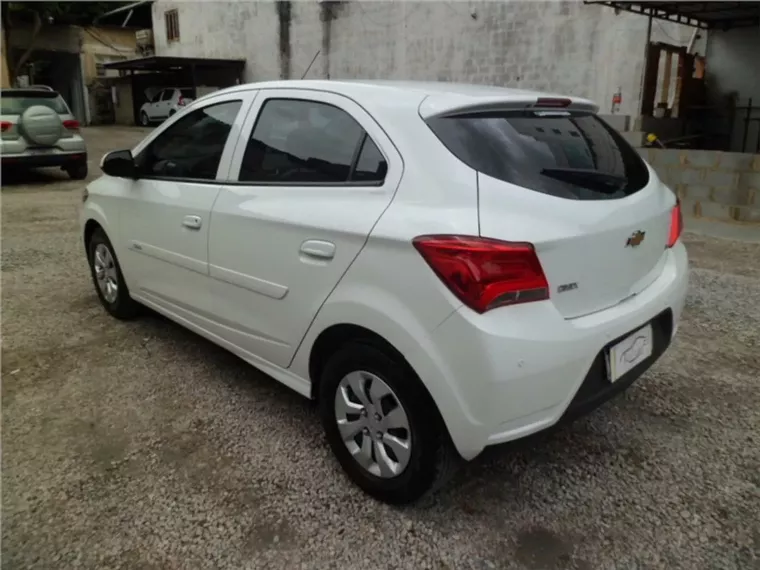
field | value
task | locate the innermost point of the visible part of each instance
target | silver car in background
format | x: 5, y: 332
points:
x: 37, y: 129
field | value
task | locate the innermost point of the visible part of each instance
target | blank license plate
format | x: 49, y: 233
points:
x: 629, y: 352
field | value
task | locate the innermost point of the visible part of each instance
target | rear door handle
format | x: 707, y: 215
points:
x: 318, y: 249
x: 192, y: 222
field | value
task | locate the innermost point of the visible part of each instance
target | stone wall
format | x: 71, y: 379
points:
x: 711, y: 184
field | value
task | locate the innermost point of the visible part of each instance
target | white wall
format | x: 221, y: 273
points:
x: 565, y: 47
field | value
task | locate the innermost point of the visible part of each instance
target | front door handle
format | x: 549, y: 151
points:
x: 318, y: 249
x: 192, y: 222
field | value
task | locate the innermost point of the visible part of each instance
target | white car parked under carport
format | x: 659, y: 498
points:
x: 164, y: 104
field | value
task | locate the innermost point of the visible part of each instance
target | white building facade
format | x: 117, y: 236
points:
x: 564, y: 47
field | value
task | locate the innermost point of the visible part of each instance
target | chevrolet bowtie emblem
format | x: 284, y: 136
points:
x: 636, y: 238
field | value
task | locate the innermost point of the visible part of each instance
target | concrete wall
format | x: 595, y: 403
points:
x: 4, y: 77
x: 733, y: 65
x: 105, y: 43
x: 567, y: 47
x: 102, y: 45
x: 711, y: 184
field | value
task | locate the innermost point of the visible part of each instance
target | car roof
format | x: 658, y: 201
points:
x: 30, y: 91
x: 439, y: 97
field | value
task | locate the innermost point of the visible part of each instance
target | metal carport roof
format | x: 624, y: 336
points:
x: 706, y: 15
x: 162, y: 63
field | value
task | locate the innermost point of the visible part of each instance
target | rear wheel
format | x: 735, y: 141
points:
x: 77, y: 171
x: 108, y: 279
x: 382, y: 426
x: 144, y: 120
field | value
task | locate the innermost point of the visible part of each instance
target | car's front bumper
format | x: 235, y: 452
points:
x: 53, y: 157
x: 518, y: 371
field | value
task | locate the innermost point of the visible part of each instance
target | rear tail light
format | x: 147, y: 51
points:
x: 676, y: 224
x: 485, y: 273
x: 5, y: 125
x: 71, y: 124
x: 181, y: 101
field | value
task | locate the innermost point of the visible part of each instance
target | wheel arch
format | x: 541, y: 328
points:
x: 90, y: 226
x: 335, y: 336
x: 376, y: 314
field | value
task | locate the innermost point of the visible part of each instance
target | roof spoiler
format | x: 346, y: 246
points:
x: 438, y: 107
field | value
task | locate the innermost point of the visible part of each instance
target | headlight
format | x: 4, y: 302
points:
x: 85, y: 194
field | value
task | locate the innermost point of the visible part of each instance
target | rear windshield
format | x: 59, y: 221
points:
x: 561, y: 153
x: 16, y: 102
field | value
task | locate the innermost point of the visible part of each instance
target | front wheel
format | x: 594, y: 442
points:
x: 108, y: 279
x: 381, y: 425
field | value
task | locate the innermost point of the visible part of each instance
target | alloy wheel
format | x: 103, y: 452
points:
x: 373, y: 424
x: 105, y: 273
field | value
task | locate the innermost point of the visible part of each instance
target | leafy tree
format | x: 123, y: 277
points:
x: 42, y: 15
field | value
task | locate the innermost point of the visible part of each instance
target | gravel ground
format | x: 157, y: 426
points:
x: 141, y: 446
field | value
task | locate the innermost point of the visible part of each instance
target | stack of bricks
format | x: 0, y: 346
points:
x: 711, y: 184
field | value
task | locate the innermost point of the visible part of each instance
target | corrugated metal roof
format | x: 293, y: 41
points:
x: 707, y: 15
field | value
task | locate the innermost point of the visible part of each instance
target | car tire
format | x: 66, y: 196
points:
x: 144, y: 120
x: 77, y: 171
x: 431, y: 459
x: 104, y: 267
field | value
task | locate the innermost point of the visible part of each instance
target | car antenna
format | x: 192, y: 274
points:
x: 312, y: 63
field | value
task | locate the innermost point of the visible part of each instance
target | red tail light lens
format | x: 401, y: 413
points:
x: 552, y: 102
x: 485, y: 273
x: 71, y: 124
x: 5, y: 125
x: 181, y: 102
x: 676, y: 224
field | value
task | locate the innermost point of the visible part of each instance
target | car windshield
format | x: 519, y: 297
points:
x: 565, y: 154
x: 16, y: 102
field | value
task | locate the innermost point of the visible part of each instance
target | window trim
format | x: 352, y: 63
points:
x: 216, y: 181
x: 352, y: 167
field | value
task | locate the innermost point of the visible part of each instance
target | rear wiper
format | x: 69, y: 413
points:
x: 593, y: 178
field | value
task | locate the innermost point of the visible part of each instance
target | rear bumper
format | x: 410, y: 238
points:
x: 55, y: 158
x: 522, y: 369
x: 596, y: 388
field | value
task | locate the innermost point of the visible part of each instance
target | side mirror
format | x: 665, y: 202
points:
x: 119, y: 163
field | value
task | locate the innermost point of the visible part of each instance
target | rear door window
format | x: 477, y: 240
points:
x: 300, y: 142
x: 561, y: 153
x: 16, y: 102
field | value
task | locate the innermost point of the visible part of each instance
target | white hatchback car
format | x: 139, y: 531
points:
x: 441, y: 267
x: 164, y: 104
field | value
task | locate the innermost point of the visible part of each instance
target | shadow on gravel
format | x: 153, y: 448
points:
x: 37, y: 176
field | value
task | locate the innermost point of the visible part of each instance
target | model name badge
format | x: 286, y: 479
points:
x: 567, y: 287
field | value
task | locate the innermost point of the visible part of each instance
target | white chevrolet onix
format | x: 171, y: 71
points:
x: 441, y: 267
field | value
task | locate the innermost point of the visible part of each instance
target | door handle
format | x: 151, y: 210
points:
x: 192, y: 222
x: 318, y: 249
